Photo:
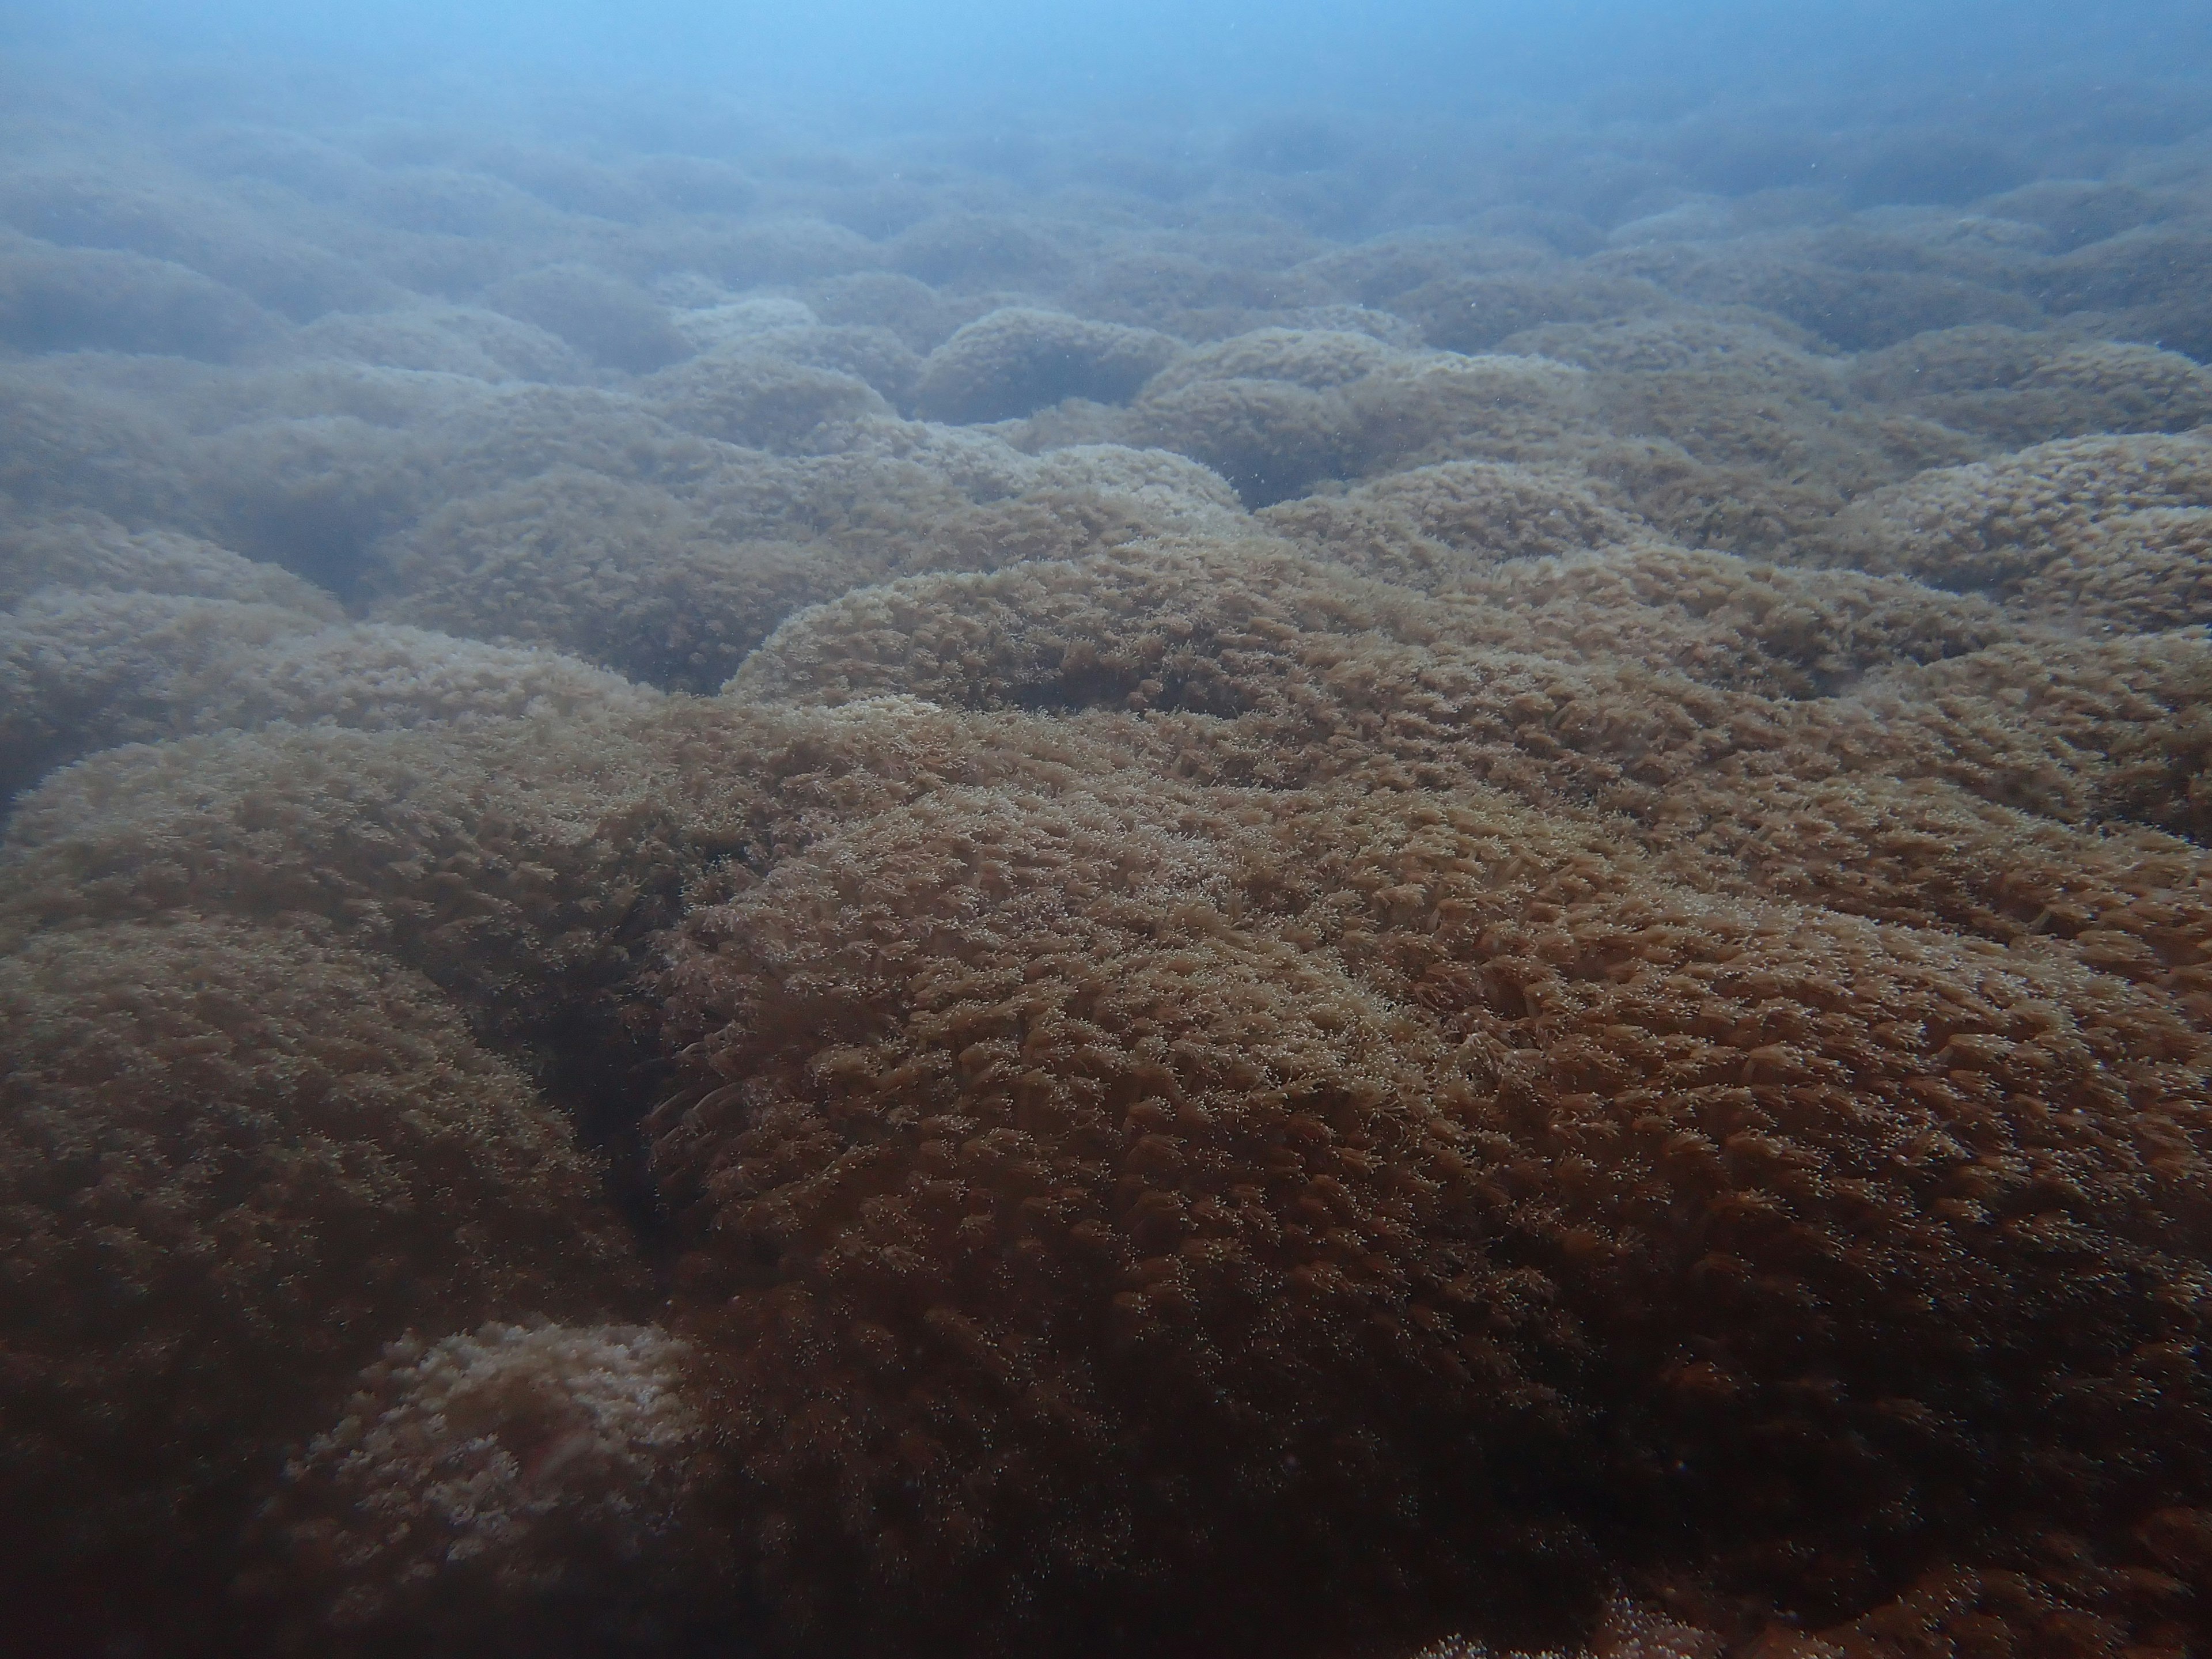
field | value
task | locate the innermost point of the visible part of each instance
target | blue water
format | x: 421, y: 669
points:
x: 1457, y: 60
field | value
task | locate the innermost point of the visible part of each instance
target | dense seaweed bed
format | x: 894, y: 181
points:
x: 1302, y: 888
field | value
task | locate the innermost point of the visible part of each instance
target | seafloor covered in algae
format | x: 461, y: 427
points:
x: 1300, y: 893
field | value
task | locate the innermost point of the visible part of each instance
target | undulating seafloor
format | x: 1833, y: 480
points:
x: 1298, y: 887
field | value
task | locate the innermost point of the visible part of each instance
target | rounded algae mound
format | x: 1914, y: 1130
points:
x: 234, y: 1155
x: 1280, y: 410
x: 1016, y: 360
x: 83, y: 670
x: 1070, y: 1187
x: 806, y: 904
x: 2139, y: 573
x: 1085, y: 1139
x: 2023, y: 388
x: 1990, y: 525
x: 1428, y: 527
x: 519, y: 1489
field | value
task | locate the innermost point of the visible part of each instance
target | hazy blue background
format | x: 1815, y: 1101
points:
x: 944, y: 57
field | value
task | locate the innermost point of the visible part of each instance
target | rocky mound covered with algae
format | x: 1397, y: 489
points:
x: 755, y: 908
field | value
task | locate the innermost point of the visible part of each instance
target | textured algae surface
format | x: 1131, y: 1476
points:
x: 1228, y: 898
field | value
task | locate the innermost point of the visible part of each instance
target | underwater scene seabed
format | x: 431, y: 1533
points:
x: 1291, y: 893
